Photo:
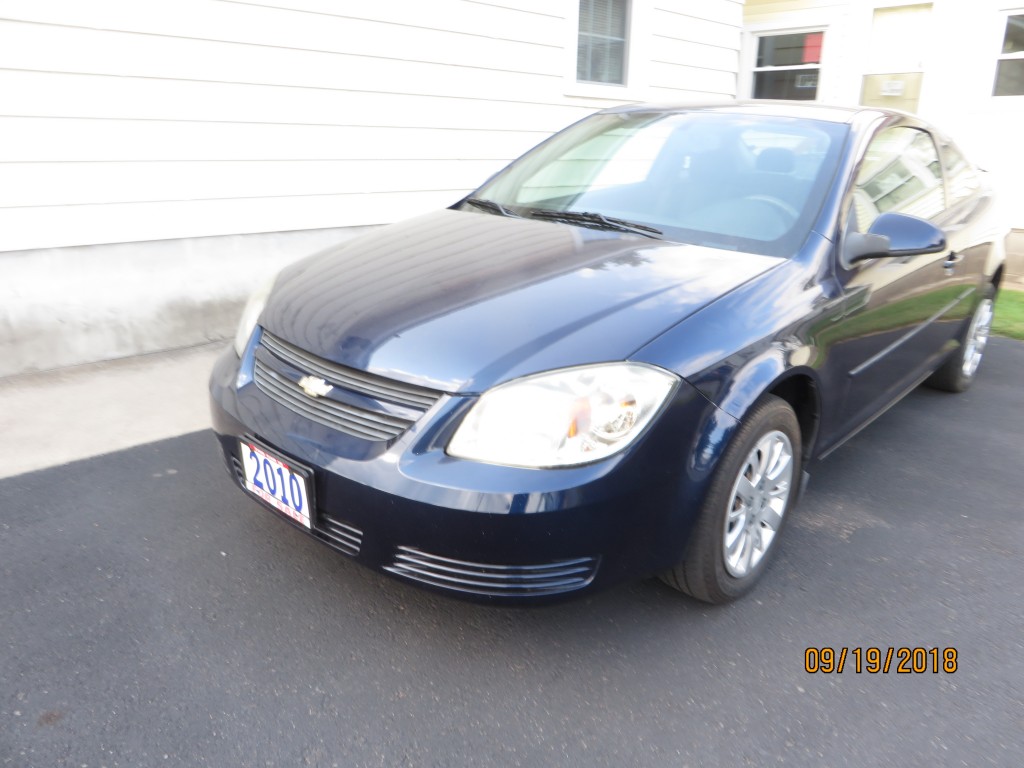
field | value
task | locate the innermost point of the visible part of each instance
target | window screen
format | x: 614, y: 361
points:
x: 601, y: 53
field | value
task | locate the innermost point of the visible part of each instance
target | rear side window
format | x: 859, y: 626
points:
x: 961, y: 176
x: 900, y: 172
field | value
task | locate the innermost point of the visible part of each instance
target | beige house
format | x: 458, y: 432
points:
x: 956, y: 63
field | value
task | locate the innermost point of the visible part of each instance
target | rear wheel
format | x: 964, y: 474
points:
x: 751, y: 493
x: 960, y: 369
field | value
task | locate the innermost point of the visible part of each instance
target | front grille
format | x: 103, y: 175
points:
x: 377, y: 387
x: 340, y: 416
x: 378, y: 421
x: 341, y: 536
x: 493, y: 580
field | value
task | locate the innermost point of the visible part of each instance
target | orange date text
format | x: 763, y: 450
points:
x: 873, y: 660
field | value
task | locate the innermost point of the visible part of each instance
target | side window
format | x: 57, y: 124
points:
x: 962, y: 178
x: 900, y: 172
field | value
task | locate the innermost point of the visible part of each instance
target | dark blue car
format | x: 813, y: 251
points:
x: 620, y: 356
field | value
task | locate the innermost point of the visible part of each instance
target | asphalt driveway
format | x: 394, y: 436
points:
x: 151, y: 615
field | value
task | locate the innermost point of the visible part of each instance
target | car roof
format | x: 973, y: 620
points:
x: 766, y: 108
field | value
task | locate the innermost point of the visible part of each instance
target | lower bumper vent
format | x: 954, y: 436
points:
x: 341, y: 536
x: 493, y: 580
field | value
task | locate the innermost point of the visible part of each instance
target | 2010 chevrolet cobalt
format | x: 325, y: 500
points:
x: 620, y: 355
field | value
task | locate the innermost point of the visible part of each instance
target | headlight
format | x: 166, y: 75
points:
x: 257, y: 301
x: 561, y: 418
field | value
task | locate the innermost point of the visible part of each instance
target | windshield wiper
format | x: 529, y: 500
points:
x: 491, y: 207
x: 597, y: 221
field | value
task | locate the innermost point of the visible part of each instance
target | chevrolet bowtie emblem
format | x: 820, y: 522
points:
x: 314, y: 387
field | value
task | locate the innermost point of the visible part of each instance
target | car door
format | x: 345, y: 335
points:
x: 896, y: 315
x: 970, y: 227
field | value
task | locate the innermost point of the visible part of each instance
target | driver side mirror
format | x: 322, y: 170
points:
x: 893, y: 235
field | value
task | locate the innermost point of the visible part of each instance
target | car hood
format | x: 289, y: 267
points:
x: 460, y: 300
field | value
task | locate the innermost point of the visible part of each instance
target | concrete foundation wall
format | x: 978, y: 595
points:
x: 64, y: 306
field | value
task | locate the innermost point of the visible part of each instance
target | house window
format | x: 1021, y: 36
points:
x: 601, y: 55
x: 787, y: 66
x: 1010, y: 69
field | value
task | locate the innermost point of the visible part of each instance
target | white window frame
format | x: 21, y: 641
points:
x: 752, y: 41
x: 638, y: 30
x: 626, y: 43
x: 1004, y: 17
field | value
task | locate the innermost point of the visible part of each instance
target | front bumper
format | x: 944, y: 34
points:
x: 484, y: 532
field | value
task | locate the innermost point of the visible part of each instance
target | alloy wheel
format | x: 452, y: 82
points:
x: 757, y: 503
x: 977, y: 337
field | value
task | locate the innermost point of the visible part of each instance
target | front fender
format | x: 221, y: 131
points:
x: 738, y: 347
x: 737, y: 389
x: 745, y: 385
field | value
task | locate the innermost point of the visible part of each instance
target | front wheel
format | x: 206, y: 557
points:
x: 960, y: 368
x: 753, y: 488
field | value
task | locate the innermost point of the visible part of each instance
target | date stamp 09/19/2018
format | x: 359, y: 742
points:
x: 874, y: 660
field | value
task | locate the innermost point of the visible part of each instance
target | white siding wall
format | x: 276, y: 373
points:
x: 123, y: 120
x: 694, y: 50
x: 957, y: 93
x: 159, y: 157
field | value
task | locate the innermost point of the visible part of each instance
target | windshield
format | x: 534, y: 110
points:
x: 732, y: 181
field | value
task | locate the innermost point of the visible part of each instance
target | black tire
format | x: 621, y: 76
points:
x: 704, y: 573
x: 954, y: 375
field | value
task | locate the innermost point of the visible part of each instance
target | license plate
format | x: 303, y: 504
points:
x: 281, y: 484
